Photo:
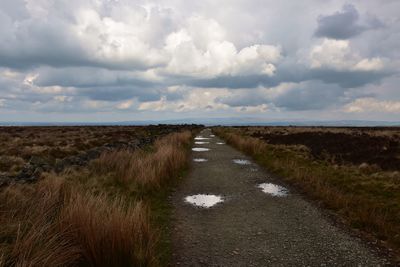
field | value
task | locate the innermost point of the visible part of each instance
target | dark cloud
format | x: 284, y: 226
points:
x: 90, y: 77
x: 311, y: 95
x: 250, y: 98
x: 119, y: 93
x: 296, y: 74
x: 89, y: 56
x: 344, y: 24
x: 349, y: 79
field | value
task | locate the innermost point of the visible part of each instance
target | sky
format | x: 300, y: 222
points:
x: 129, y: 60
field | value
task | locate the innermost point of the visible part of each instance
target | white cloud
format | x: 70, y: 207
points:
x: 233, y: 56
x: 372, y: 105
x: 63, y: 98
x: 125, y: 104
x: 338, y: 55
x: 200, y: 50
x: 115, y: 41
x: 194, y: 99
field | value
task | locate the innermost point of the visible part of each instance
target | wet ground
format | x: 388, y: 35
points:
x: 230, y: 214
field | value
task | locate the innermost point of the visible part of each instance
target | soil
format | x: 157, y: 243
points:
x: 252, y: 228
x: 352, y: 146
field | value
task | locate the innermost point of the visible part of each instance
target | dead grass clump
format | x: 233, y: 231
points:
x: 249, y: 145
x: 30, y: 234
x: 109, y: 233
x: 54, y: 224
x: 147, y: 169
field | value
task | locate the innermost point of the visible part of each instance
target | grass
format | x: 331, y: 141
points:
x: 367, y: 201
x: 108, y: 214
x: 19, y: 144
x: 143, y: 171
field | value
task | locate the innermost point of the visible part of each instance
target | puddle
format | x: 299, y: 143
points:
x: 204, y: 201
x: 211, y: 135
x: 201, y: 143
x: 200, y: 160
x: 242, y: 161
x: 200, y: 149
x: 273, y: 189
x: 220, y: 143
x: 201, y: 138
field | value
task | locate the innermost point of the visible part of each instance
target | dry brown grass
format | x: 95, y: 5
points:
x: 61, y: 221
x: 363, y: 200
x: 57, y: 142
x: 11, y: 164
x: 54, y: 224
x: 110, y: 233
x: 147, y: 170
x: 248, y: 145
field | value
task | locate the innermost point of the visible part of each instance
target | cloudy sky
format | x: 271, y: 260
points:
x: 115, y: 60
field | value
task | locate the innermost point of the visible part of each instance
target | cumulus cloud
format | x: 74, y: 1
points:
x: 345, y: 24
x: 84, y: 56
x: 201, y: 50
x: 338, y: 55
x: 90, y: 35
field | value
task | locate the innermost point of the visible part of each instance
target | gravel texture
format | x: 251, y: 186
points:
x: 252, y: 228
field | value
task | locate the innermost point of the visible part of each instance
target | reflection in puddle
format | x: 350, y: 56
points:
x: 211, y: 135
x: 201, y: 143
x: 220, y: 143
x: 201, y: 138
x: 200, y: 160
x: 200, y: 149
x: 242, y: 161
x: 273, y: 189
x: 204, y: 201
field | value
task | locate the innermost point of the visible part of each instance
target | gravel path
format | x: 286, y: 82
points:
x: 250, y: 227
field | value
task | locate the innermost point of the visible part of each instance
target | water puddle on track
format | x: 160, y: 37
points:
x: 201, y: 138
x: 204, y: 200
x: 201, y: 143
x: 242, y: 161
x: 220, y: 143
x: 200, y: 160
x: 273, y: 189
x: 211, y: 135
x: 200, y: 149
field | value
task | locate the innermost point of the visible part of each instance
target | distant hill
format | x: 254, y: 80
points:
x: 242, y: 121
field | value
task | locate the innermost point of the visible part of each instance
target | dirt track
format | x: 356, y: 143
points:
x: 251, y: 228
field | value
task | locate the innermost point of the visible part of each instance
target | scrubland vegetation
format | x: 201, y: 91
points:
x: 366, y: 195
x: 19, y: 145
x: 105, y: 214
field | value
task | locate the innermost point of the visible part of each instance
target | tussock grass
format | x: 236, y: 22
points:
x: 365, y: 201
x: 146, y: 170
x: 63, y: 221
x: 54, y: 224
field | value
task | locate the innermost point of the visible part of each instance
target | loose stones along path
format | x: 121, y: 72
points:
x: 254, y: 225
